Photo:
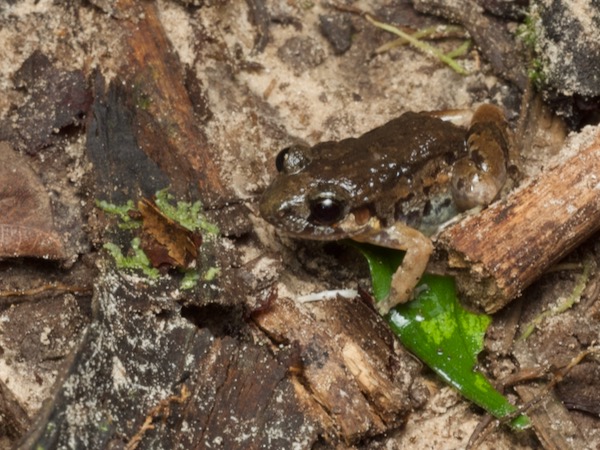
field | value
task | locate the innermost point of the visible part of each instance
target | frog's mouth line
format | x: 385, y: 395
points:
x: 348, y: 227
x: 302, y: 228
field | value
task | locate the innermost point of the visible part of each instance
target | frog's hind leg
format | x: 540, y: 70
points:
x: 478, y: 177
x: 418, y: 248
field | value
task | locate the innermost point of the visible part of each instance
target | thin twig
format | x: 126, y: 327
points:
x: 420, y: 45
x: 430, y: 33
x: 53, y: 287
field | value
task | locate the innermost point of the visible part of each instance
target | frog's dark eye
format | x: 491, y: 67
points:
x: 326, y: 209
x: 280, y: 159
x: 292, y: 159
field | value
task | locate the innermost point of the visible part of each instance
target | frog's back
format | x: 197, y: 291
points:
x: 429, y: 148
x: 415, y: 138
x: 402, y: 145
x: 400, y: 169
x: 422, y: 150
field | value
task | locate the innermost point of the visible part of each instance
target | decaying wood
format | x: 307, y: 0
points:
x: 168, y: 129
x: 498, y: 253
x: 553, y: 424
x: 352, y: 379
x: 158, y: 381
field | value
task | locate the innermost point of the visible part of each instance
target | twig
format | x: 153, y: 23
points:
x: 431, y: 33
x: 55, y: 287
x: 420, y: 45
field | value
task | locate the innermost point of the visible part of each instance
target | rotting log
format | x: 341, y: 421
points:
x: 352, y: 378
x: 499, y: 252
x: 168, y: 130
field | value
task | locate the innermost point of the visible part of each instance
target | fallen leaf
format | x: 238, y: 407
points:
x: 26, y: 224
x: 440, y: 332
x: 167, y: 243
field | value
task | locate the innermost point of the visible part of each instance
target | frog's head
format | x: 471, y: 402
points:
x: 304, y: 201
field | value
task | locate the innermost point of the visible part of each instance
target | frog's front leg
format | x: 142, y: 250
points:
x: 418, y: 248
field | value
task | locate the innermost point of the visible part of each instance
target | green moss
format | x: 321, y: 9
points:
x: 122, y: 212
x: 144, y: 102
x: 527, y: 33
x: 536, y: 73
x: 190, y: 279
x: 137, y: 261
x: 211, y: 273
x: 188, y: 215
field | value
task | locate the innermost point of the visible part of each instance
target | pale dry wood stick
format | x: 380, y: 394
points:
x: 499, y: 252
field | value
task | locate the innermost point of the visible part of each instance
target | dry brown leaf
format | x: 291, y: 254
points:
x: 26, y: 225
x: 165, y: 242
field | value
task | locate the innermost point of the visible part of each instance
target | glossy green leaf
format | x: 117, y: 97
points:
x: 440, y: 332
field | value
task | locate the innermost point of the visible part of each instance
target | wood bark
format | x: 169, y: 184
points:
x: 353, y: 377
x: 498, y: 253
x: 168, y: 129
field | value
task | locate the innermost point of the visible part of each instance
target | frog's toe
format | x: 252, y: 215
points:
x: 393, y: 299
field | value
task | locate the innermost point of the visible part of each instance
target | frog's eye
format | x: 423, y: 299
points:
x: 292, y: 159
x: 280, y: 159
x: 326, y: 209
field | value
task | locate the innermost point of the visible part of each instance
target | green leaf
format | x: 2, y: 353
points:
x: 383, y: 262
x: 440, y: 332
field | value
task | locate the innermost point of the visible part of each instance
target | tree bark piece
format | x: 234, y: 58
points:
x: 168, y: 129
x: 26, y: 223
x: 352, y: 379
x: 498, y: 253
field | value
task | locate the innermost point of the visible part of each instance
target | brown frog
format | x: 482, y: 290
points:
x: 394, y: 186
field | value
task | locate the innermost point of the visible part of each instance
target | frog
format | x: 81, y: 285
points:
x: 394, y: 186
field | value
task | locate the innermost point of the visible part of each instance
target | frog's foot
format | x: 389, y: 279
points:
x: 402, y: 289
x: 418, y: 248
x: 478, y: 178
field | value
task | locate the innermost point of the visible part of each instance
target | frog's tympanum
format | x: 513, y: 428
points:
x: 393, y: 186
